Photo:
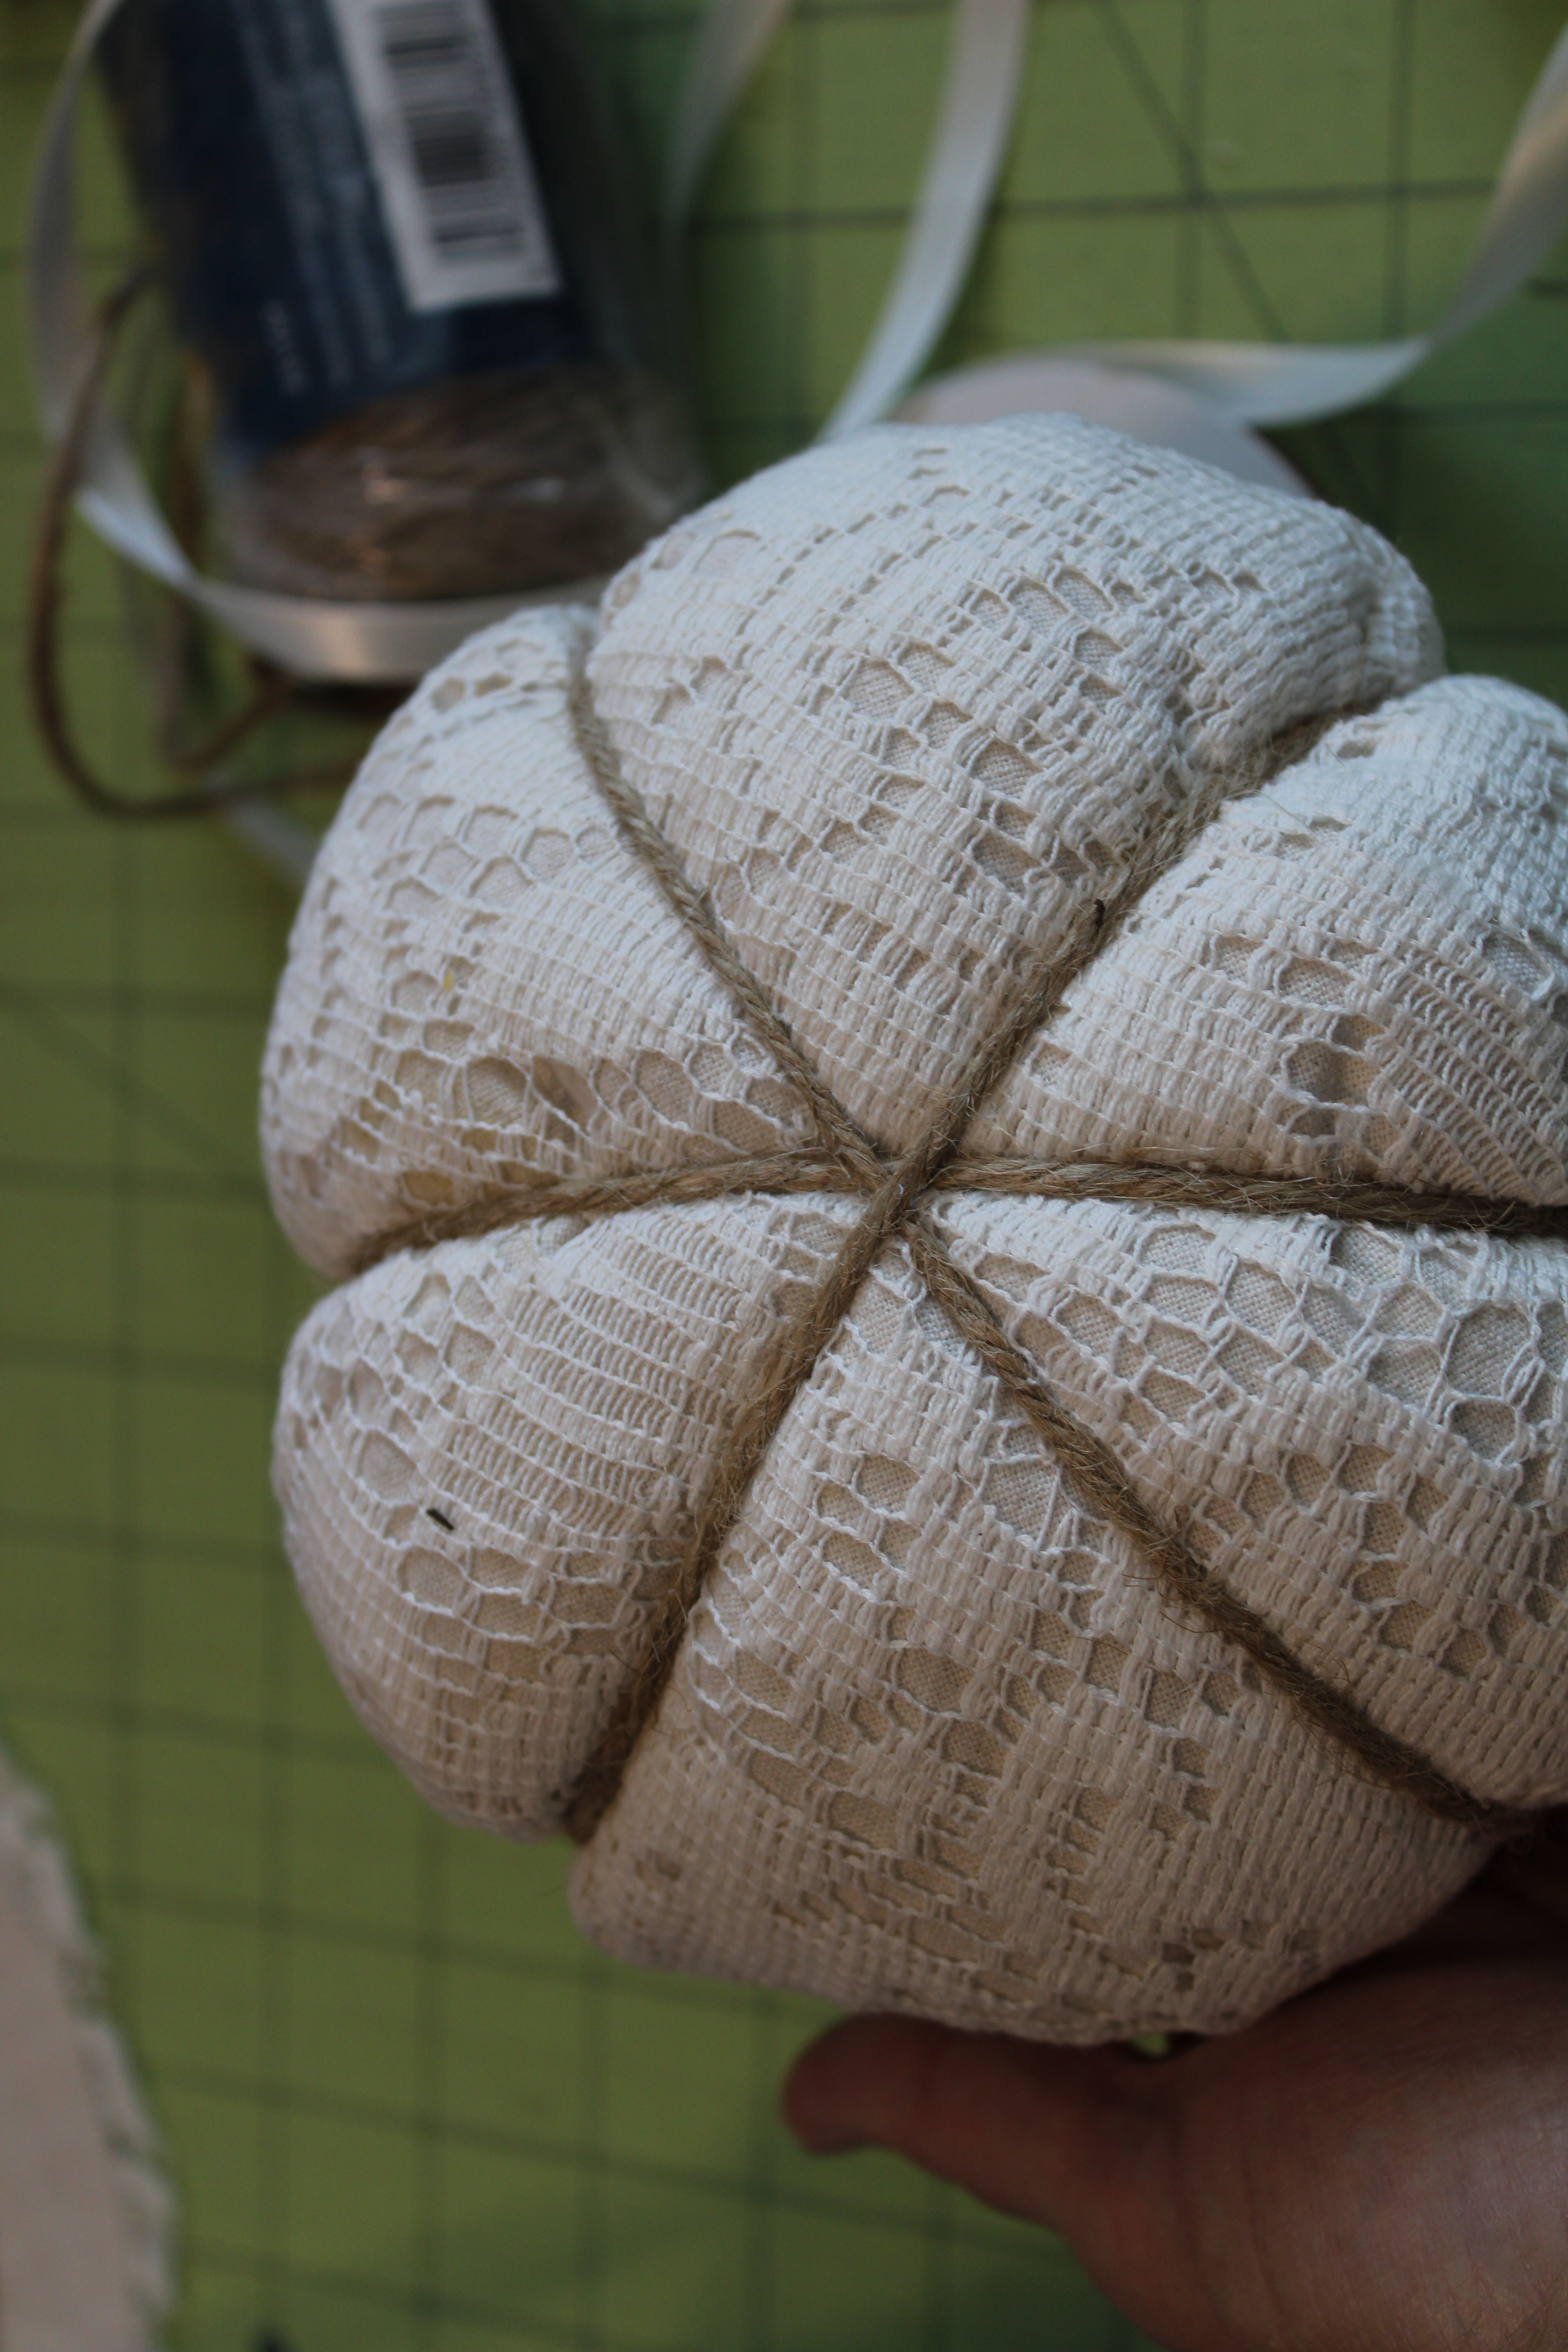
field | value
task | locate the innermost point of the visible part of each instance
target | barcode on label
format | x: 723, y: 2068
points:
x: 457, y: 182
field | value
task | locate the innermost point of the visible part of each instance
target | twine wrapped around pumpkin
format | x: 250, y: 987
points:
x: 950, y: 1128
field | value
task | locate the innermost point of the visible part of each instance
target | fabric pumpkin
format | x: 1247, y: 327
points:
x: 934, y: 1735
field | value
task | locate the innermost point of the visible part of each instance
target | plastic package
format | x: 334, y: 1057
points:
x: 422, y: 354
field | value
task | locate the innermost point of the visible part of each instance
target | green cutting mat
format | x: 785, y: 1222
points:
x: 404, y: 2105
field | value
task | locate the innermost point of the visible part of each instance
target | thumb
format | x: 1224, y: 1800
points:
x: 1046, y: 2134
x: 1082, y: 2141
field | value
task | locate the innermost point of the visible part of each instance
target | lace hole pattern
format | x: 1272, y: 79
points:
x: 1067, y: 1786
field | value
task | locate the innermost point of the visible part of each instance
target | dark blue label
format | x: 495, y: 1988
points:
x: 250, y: 159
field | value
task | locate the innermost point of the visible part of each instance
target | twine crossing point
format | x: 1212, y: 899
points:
x: 895, y: 1190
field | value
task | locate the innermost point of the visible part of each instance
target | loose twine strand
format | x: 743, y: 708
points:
x: 895, y: 1190
x: 272, y: 689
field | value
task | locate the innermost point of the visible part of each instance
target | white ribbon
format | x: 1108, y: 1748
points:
x: 1258, y: 384
x: 966, y: 155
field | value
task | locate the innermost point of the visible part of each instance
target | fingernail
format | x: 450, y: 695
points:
x: 824, y: 2139
x: 819, y: 2133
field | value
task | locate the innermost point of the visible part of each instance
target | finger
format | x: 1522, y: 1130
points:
x: 1086, y: 2142
x: 1043, y: 2133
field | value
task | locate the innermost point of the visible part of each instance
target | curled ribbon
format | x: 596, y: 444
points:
x: 1199, y: 395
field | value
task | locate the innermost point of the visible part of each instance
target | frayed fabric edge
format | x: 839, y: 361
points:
x: 36, y: 1883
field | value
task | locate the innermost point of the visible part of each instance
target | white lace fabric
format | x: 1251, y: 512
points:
x: 934, y: 1740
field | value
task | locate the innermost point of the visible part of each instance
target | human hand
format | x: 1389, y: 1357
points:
x: 1380, y: 2165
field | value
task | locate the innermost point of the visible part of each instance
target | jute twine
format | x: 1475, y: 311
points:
x: 271, y: 688
x: 895, y: 1190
